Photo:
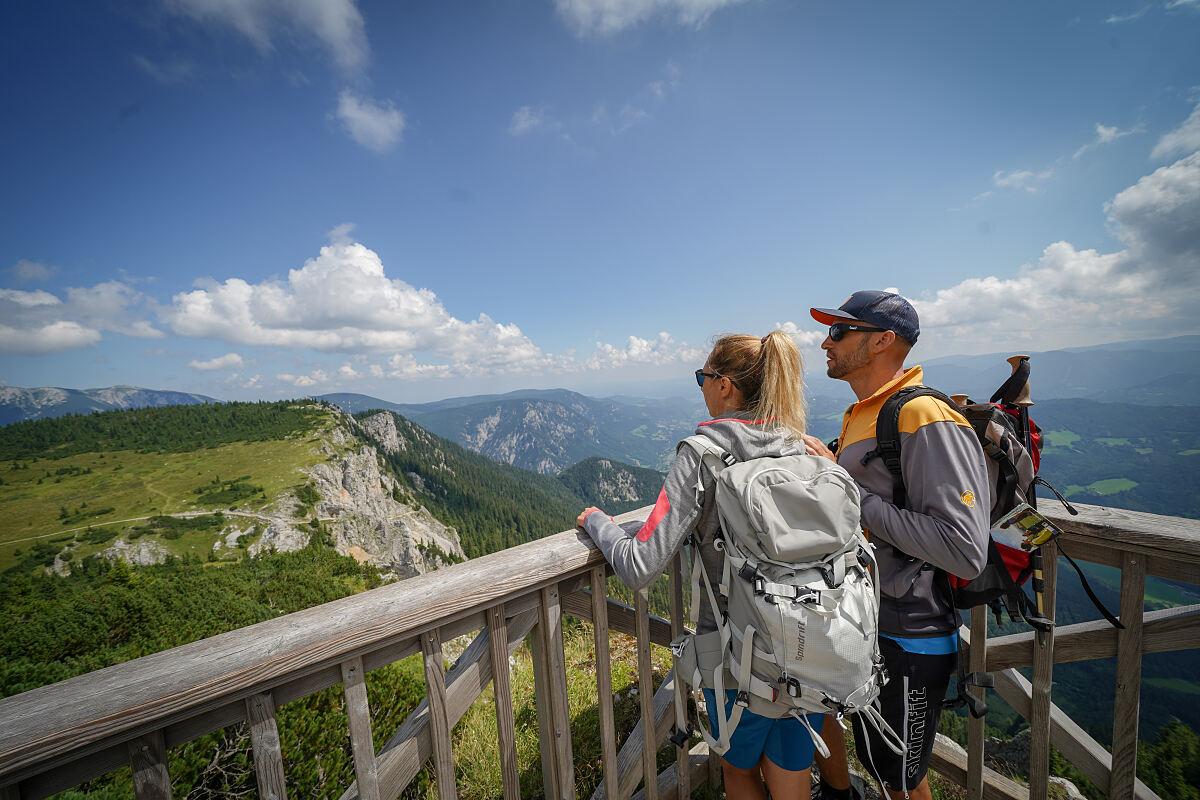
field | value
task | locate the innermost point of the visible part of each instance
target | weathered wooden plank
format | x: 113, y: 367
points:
x: 264, y: 746
x: 621, y: 617
x: 73, y: 773
x: 1099, y: 550
x: 630, y: 759
x: 439, y: 722
x: 148, y: 760
x: 550, y: 621
x: 683, y: 773
x: 668, y: 780
x: 1133, y: 529
x: 1043, y: 679
x: 538, y: 649
x: 604, y: 695
x: 646, y: 694
x: 1163, y: 631
x: 411, y: 746
x: 58, y: 723
x: 358, y: 713
x: 1129, y: 678
x: 502, y: 691
x: 949, y: 760
x: 1071, y: 740
x: 977, y: 658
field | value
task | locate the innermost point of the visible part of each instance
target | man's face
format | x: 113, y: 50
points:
x: 848, y: 355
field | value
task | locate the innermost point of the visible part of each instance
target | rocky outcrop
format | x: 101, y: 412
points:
x: 359, y: 510
x: 382, y: 428
x: 143, y: 552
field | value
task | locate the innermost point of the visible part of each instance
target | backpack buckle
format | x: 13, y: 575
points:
x: 793, y: 687
x: 729, y: 459
x: 678, y: 647
x: 742, y: 699
x: 834, y: 705
x: 813, y: 596
x: 747, y: 572
x: 827, y: 574
x: 760, y: 585
x: 680, y: 737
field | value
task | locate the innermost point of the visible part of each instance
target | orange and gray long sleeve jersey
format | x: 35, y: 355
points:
x: 685, y: 504
x: 946, y: 520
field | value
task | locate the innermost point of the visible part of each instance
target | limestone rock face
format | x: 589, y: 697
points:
x: 142, y: 552
x: 382, y: 428
x: 359, y: 509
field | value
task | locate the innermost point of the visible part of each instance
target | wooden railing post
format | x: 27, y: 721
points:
x: 683, y: 758
x: 646, y: 694
x: 550, y: 687
x: 502, y: 689
x: 1043, y: 681
x: 148, y: 759
x: 975, y: 729
x: 439, y: 722
x: 604, y: 695
x: 264, y: 743
x: 1129, y: 677
x: 358, y: 713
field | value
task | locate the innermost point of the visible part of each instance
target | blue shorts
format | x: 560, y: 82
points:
x: 785, y: 741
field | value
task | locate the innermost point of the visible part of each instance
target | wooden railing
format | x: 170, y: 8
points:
x: 131, y: 714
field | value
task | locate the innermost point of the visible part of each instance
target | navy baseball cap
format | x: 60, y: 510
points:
x: 880, y: 309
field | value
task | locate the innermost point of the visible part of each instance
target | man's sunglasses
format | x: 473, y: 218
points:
x: 701, y: 375
x: 836, y: 332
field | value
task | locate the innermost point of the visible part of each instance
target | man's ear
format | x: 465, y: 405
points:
x: 885, y: 340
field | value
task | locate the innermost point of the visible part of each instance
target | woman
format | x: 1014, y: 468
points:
x: 753, y: 390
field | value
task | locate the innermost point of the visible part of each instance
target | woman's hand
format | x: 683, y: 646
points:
x: 817, y: 448
x: 583, y: 515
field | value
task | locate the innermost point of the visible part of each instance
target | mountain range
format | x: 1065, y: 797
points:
x: 17, y: 404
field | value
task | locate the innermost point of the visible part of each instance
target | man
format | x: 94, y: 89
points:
x: 943, y: 527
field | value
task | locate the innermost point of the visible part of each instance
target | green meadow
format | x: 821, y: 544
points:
x: 50, y: 499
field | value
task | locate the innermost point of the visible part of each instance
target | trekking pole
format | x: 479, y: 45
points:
x: 1023, y: 401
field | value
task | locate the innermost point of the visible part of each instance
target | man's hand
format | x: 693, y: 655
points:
x: 583, y: 515
x: 817, y: 448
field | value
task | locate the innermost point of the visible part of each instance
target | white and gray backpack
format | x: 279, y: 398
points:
x: 802, y: 607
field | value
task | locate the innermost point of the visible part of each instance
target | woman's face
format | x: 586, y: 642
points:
x: 720, y: 395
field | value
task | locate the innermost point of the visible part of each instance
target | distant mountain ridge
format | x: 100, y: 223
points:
x: 17, y: 404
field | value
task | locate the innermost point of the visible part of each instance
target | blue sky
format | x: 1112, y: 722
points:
x: 265, y: 198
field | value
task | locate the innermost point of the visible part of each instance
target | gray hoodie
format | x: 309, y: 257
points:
x: 686, y: 504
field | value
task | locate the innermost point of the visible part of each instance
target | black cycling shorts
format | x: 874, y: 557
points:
x: 911, y: 703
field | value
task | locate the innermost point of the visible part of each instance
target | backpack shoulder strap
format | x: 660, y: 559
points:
x: 887, y: 435
x: 712, y: 455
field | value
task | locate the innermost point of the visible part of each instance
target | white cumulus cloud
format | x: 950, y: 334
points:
x: 335, y: 25
x: 42, y: 339
x: 1184, y: 139
x: 342, y: 301
x: 1152, y: 283
x: 227, y: 361
x: 525, y: 120
x: 1021, y: 179
x: 26, y: 270
x: 603, y: 17
x: 39, y: 322
x: 1106, y: 134
x: 803, y: 338
x: 376, y: 126
x: 659, y: 350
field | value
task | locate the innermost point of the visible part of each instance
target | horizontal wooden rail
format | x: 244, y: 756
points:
x: 51, y: 726
x: 1164, y: 631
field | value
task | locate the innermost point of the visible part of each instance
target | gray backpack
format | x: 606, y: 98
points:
x: 799, y: 635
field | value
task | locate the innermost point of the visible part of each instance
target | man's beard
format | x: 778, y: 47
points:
x: 856, y: 359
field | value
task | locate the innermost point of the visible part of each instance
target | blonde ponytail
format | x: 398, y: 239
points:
x: 770, y: 375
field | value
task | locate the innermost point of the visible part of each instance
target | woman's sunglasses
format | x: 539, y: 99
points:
x: 836, y: 332
x: 701, y: 375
